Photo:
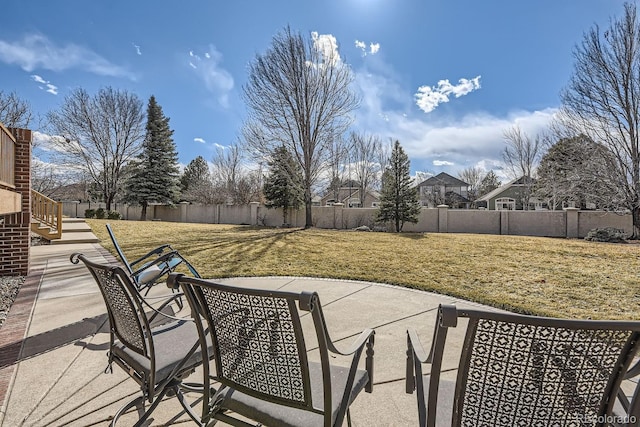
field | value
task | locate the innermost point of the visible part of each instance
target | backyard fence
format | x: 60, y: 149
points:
x: 570, y: 222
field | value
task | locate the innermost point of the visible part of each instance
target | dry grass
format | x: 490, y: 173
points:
x: 555, y: 277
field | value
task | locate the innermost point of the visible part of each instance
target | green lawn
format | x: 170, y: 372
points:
x: 555, y: 277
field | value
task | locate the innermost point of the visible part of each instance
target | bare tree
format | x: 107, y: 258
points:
x: 521, y: 156
x: 337, y: 158
x: 99, y: 134
x: 233, y: 182
x: 602, y: 101
x: 473, y: 176
x: 14, y: 111
x: 364, y: 152
x: 298, y: 94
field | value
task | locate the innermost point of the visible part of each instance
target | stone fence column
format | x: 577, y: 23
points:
x: 571, y: 215
x: 504, y: 222
x: 443, y: 219
x: 183, y: 211
x: 254, y: 212
x: 338, y: 215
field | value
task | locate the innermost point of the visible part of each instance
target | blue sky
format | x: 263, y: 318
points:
x: 443, y: 77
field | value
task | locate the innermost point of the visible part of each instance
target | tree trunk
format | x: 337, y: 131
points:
x: 307, y: 206
x: 635, y: 214
x: 284, y: 215
x: 143, y: 212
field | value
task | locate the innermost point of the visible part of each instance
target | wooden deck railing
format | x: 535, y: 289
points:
x: 7, y: 157
x: 48, y: 213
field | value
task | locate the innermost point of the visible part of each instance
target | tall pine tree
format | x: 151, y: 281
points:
x: 283, y: 186
x: 196, y: 181
x: 156, y: 174
x: 398, y: 198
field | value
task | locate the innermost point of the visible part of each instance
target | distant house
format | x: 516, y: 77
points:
x: 444, y: 189
x: 510, y: 197
x: 350, y: 197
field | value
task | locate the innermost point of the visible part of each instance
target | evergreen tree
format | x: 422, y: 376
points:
x: 489, y: 183
x: 283, y: 186
x: 196, y: 182
x: 399, y: 198
x: 156, y: 177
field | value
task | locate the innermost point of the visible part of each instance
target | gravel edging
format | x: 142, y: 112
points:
x: 9, y: 287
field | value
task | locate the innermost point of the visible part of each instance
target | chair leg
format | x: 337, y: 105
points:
x: 348, y: 417
x: 152, y: 408
x: 139, y: 401
x: 187, y: 408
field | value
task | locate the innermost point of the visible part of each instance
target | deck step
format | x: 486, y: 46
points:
x: 76, y: 237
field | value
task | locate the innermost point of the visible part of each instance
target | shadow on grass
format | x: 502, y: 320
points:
x: 412, y: 235
x: 241, y: 244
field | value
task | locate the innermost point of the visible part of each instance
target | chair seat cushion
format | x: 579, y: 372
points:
x: 172, y: 342
x: 273, y: 414
x: 149, y: 274
x: 152, y: 272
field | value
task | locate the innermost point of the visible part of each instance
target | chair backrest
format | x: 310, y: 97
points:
x: 526, y: 370
x: 259, y: 341
x: 124, y: 308
x: 118, y: 249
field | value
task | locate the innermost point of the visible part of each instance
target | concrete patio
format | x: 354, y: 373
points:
x: 53, y: 346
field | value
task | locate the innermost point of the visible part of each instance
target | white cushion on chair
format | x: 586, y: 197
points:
x: 149, y: 274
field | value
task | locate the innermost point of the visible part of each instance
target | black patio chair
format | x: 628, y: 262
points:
x: 157, y: 357
x: 261, y: 359
x: 517, y: 370
x: 152, y: 267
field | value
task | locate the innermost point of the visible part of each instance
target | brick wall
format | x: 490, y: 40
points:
x: 14, y: 229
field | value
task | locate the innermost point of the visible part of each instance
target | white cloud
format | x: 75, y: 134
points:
x: 38, y: 79
x: 51, y: 88
x: 36, y: 51
x: 373, y: 47
x: 476, y: 139
x: 200, y: 140
x: 138, y: 51
x: 216, y: 79
x: 327, y: 45
x: 428, y: 98
x: 442, y: 163
x: 222, y: 147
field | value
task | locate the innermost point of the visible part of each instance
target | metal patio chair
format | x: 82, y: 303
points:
x: 152, y: 267
x: 261, y: 359
x: 518, y: 370
x: 158, y: 357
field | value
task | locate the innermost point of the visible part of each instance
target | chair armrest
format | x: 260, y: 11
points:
x: 355, y: 346
x: 157, y: 251
x: 415, y: 346
x: 159, y: 260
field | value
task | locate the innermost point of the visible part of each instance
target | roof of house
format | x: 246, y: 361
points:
x: 456, y: 198
x: 490, y: 195
x: 445, y: 179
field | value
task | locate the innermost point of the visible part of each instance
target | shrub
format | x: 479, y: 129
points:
x: 607, y: 234
x: 101, y: 213
x: 89, y: 213
x: 114, y: 215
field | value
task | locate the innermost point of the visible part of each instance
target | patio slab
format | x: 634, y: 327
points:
x: 58, y: 376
